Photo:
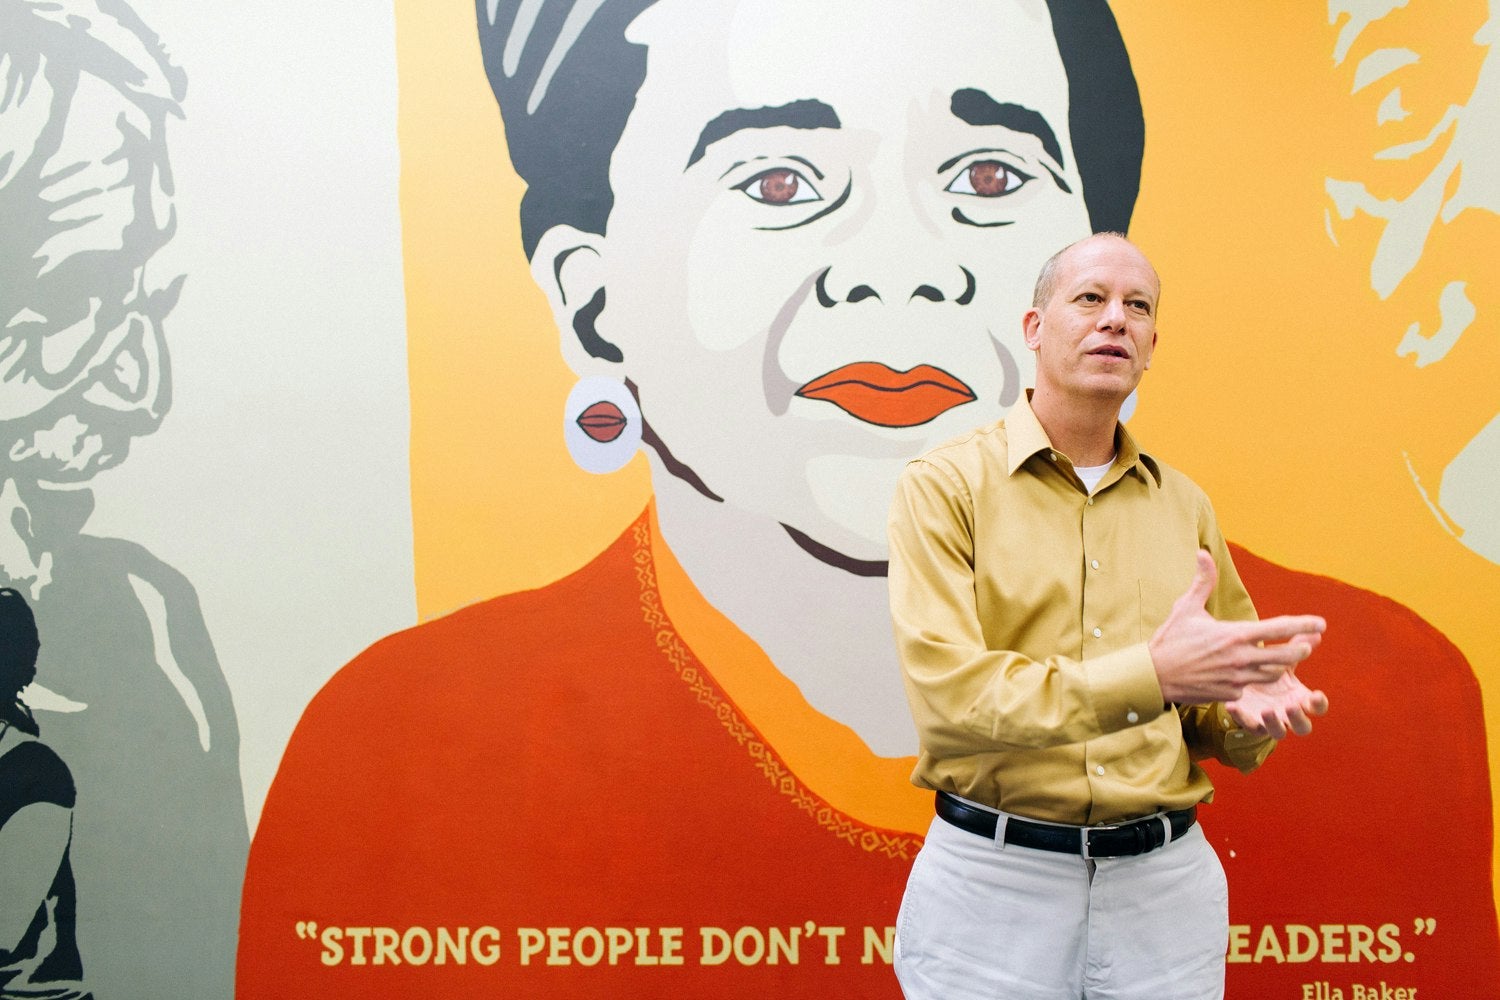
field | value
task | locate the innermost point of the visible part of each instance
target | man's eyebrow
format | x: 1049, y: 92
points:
x: 797, y: 114
x: 975, y: 107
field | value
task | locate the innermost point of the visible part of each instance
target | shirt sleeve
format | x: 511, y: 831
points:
x: 965, y: 697
x: 1208, y: 729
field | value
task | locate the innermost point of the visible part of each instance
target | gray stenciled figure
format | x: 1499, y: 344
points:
x: 130, y: 691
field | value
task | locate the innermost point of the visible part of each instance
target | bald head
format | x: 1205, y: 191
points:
x: 1046, y: 280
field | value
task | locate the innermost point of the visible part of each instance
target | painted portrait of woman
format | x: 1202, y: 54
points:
x: 782, y: 253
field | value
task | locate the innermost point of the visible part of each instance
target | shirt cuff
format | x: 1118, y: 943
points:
x: 1124, y: 688
x: 1238, y: 747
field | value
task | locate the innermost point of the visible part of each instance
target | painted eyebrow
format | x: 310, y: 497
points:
x: 975, y: 107
x: 797, y: 114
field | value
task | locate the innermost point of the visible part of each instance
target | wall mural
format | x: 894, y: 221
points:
x: 1448, y: 146
x: 686, y: 283
x: 144, y: 489
x: 130, y: 690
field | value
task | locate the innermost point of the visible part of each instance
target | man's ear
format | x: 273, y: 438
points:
x: 568, y: 266
x: 1151, y: 350
x: 1031, y: 327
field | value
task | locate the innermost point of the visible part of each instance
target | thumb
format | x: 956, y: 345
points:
x: 1205, y: 578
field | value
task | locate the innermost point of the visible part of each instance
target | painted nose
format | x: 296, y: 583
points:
x: 958, y: 288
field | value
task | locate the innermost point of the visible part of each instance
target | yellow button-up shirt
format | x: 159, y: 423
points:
x: 1022, y: 607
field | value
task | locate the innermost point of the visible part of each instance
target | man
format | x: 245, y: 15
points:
x: 1061, y: 702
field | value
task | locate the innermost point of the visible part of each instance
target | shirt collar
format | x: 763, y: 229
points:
x: 1025, y: 437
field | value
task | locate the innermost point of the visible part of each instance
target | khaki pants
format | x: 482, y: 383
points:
x: 1012, y: 923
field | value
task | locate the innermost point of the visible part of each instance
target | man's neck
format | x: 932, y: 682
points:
x: 1081, y: 428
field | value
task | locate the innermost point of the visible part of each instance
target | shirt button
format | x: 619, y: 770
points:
x: 1052, y: 455
x: 1098, y: 633
x: 1099, y: 770
x: 1132, y: 717
x: 1094, y: 563
x: 1091, y: 501
x: 1238, y: 734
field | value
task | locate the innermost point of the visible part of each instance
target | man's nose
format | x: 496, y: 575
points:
x: 1113, y: 316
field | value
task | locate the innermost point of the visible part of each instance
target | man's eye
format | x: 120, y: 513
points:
x: 987, y: 179
x: 781, y: 186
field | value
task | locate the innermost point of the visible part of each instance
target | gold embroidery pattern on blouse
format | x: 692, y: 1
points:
x: 692, y: 673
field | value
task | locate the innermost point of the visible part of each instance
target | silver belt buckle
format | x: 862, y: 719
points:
x: 1085, y: 832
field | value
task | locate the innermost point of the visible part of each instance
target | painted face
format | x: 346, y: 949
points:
x: 1094, y: 337
x: 814, y: 264
x: 1426, y: 173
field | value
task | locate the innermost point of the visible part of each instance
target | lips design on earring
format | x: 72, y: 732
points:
x: 602, y: 424
x: 603, y: 421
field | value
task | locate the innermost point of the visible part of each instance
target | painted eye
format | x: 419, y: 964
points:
x: 987, y: 179
x: 780, y: 186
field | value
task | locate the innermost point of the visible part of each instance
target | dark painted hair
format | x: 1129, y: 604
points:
x: 566, y: 81
x: 19, y: 644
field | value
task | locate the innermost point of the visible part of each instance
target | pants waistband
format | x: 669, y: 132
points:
x: 1111, y: 841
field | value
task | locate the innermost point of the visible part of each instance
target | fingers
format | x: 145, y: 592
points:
x: 1302, y: 629
x: 1314, y: 703
x: 1282, y: 655
x: 1309, y: 639
x: 1291, y: 717
x: 1263, y: 672
x: 1232, y: 686
x: 1242, y: 718
x: 1263, y: 723
x: 1232, y: 690
x: 1274, y: 722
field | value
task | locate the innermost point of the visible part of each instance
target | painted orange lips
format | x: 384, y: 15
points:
x: 878, y: 394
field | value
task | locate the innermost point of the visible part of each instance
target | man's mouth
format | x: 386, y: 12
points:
x: 1110, y: 351
x: 878, y: 394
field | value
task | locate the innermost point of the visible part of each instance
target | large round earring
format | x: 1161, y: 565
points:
x: 601, y: 425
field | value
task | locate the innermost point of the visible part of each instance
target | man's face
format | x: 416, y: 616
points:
x: 814, y: 261
x: 1094, y: 335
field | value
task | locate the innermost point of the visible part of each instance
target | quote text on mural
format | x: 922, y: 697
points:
x: 792, y: 945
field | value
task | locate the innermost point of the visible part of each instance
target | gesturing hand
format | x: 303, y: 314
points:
x: 1200, y: 659
x: 1278, y: 707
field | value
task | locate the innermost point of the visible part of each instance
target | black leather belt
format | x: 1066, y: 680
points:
x: 1117, y: 841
